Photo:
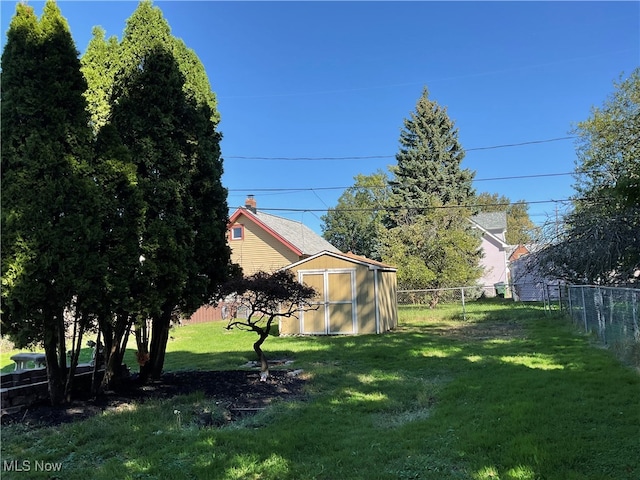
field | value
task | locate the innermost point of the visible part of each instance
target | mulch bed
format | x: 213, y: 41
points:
x: 239, y: 391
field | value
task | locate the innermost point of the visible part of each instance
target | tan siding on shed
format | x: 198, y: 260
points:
x: 388, y: 300
x: 366, y: 297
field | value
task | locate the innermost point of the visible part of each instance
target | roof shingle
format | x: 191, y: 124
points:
x: 296, y: 233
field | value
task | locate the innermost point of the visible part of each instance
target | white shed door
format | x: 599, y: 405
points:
x: 336, y: 302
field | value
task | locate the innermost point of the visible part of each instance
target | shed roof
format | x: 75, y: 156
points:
x: 350, y: 257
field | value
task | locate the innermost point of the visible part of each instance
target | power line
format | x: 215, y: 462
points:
x: 391, y: 209
x: 520, y: 144
x: 514, y: 177
x: 307, y: 189
x: 372, y: 157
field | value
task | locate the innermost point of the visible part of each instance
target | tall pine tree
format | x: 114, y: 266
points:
x: 430, y: 192
x: 49, y: 237
x: 429, y: 170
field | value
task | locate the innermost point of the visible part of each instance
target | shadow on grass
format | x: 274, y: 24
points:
x: 437, y: 400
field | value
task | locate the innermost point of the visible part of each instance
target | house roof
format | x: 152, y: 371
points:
x: 295, y: 235
x: 371, y: 264
x: 492, y: 224
x: 491, y: 221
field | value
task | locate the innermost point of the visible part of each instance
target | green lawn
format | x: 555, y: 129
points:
x: 511, y: 392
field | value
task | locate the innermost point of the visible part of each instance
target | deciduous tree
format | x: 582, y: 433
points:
x: 520, y: 228
x: 354, y: 224
x: 435, y: 251
x: 601, y: 241
x: 263, y: 297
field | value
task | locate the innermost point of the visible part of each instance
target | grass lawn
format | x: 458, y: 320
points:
x: 511, y: 392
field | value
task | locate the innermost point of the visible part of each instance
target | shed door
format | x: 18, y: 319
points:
x: 336, y: 302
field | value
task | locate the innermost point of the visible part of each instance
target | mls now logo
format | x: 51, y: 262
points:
x: 28, y: 465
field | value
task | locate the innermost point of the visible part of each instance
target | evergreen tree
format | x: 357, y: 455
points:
x: 429, y: 233
x: 160, y: 135
x: 100, y: 63
x: 429, y: 164
x: 49, y: 239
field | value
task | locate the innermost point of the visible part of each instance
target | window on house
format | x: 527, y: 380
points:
x: 237, y: 232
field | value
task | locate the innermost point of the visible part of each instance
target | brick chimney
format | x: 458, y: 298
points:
x: 250, y: 204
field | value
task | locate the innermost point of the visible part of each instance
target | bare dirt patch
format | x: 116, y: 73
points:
x: 485, y: 331
x: 240, y: 392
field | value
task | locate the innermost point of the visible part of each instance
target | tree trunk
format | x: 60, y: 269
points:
x: 62, y: 344
x: 76, y: 346
x: 142, y: 343
x: 96, y: 366
x: 115, y: 346
x: 434, y: 300
x: 158, y: 346
x: 264, y: 364
x: 55, y: 375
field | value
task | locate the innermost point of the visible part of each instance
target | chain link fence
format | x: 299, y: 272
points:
x: 458, y: 296
x: 610, y: 313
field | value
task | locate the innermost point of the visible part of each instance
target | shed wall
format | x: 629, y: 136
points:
x: 366, y: 300
x: 388, y: 300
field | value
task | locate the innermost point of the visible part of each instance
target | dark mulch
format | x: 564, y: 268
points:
x: 240, y: 392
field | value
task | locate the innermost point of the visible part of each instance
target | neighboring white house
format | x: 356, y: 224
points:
x: 495, y: 249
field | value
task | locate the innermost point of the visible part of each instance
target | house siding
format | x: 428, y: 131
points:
x: 493, y: 262
x: 258, y: 250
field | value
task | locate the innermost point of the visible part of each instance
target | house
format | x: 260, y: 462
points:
x: 518, y: 251
x: 263, y: 242
x: 528, y: 283
x: 356, y: 295
x: 493, y: 227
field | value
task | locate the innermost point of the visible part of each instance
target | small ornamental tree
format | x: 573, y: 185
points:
x: 263, y: 297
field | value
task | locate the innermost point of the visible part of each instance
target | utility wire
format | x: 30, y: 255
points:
x: 370, y: 157
x: 306, y: 189
x: 392, y: 209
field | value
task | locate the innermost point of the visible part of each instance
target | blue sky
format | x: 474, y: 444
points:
x: 336, y: 79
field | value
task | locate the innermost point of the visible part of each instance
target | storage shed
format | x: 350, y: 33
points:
x: 355, y: 295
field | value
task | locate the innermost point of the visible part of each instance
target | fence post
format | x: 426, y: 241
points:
x: 560, y: 297
x: 634, y: 310
x: 598, y: 301
x: 584, y: 310
x: 464, y: 312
